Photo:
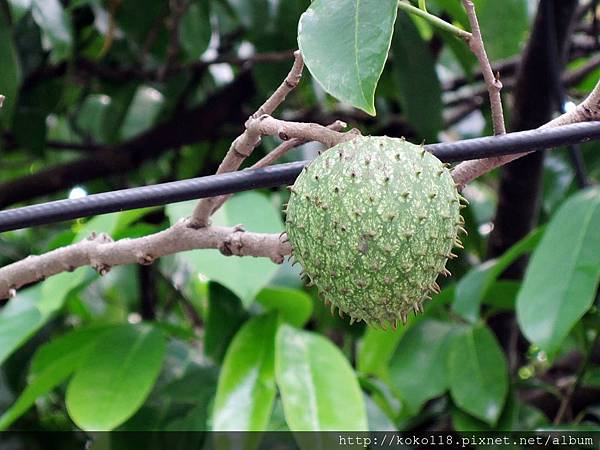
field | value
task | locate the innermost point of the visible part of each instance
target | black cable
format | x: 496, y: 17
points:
x: 228, y: 183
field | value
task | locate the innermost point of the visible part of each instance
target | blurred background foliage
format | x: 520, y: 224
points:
x: 109, y: 94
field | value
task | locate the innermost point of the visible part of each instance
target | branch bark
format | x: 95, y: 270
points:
x: 102, y: 253
x: 244, y: 145
x: 493, y: 84
x: 275, y: 154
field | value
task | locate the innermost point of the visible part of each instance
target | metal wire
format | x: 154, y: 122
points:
x: 228, y: 183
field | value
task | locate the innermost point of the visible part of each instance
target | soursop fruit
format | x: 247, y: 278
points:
x: 373, y: 222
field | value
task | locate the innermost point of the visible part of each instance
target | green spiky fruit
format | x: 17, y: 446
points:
x: 373, y: 222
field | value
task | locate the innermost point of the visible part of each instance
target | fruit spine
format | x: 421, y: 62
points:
x: 373, y: 221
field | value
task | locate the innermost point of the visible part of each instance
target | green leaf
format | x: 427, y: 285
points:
x: 504, y: 26
x: 418, y: 366
x: 418, y: 86
x: 52, y: 364
x: 562, y: 277
x: 503, y: 295
x: 508, y: 421
x: 478, y: 374
x: 10, y: 74
x: 376, y: 349
x: 32, y: 308
x: 18, y: 321
x: 116, y: 377
x: 294, y: 306
x: 246, y: 387
x: 473, y: 287
x: 345, y: 44
x: 252, y: 14
x: 195, y: 30
x: 92, y: 115
x: 456, y: 10
x: 224, y: 316
x: 318, y: 387
x: 592, y: 377
x: 56, y: 26
x: 243, y: 276
x: 143, y: 111
x: 18, y: 8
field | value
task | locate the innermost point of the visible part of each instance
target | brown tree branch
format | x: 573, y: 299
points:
x: 244, y: 145
x: 275, y: 154
x: 493, y: 84
x: 102, y: 253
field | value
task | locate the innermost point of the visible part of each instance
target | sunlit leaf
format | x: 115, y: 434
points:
x: 345, y: 45
x: 422, y: 350
x: 243, y: 276
x: 114, y: 379
x: 562, y: 277
x: 247, y: 382
x: 478, y: 373
x: 56, y: 26
x: 52, y: 364
x: 317, y: 385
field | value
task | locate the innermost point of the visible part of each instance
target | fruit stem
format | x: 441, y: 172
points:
x: 434, y: 20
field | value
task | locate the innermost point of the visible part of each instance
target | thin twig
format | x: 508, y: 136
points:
x: 274, y: 155
x: 286, y: 146
x: 244, y: 145
x: 102, y: 253
x: 493, y: 84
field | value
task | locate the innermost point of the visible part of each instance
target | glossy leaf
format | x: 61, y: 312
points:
x: 507, y: 421
x: 473, y: 287
x: 18, y: 321
x: 376, y: 349
x: 592, y: 377
x: 243, y: 276
x: 417, y: 83
x: 224, y: 316
x: 504, y: 26
x: 345, y: 44
x: 418, y: 366
x: 143, y: 111
x: 478, y: 374
x: 503, y: 295
x: 52, y: 364
x: 195, y: 29
x: 116, y: 377
x: 18, y: 8
x: 56, y: 26
x: 562, y: 277
x: 294, y: 305
x: 246, y: 387
x: 10, y: 75
x: 252, y: 14
x: 94, y: 112
x: 32, y: 308
x: 318, y: 387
